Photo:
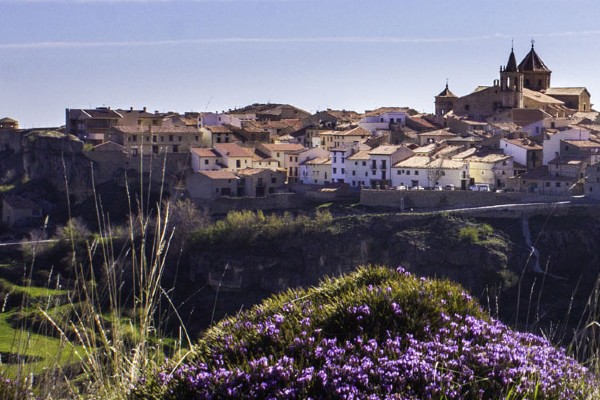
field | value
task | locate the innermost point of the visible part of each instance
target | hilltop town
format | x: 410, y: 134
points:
x: 518, y: 139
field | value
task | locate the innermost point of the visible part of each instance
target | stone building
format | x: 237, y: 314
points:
x: 523, y: 85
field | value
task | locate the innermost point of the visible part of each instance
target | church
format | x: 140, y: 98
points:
x: 526, y: 85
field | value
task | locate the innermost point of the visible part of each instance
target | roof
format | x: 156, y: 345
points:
x: 109, y: 146
x: 358, y: 131
x: 582, y: 143
x: 385, y: 150
x: 571, y: 91
x: 488, y: 157
x: 386, y: 110
x: 532, y: 62
x: 540, y: 97
x: 524, y: 143
x: 511, y: 65
x: 232, y: 150
x: 428, y: 163
x: 218, y: 174
x: 21, y: 203
x: 218, y: 129
x: 101, y: 112
x: 253, y: 171
x: 317, y: 161
x: 446, y: 93
x: 438, y: 132
x: 8, y: 120
x: 203, y: 152
x: 155, y: 129
x: 360, y: 155
x: 526, y: 116
x: 283, y: 146
x: 542, y: 173
x: 568, y: 160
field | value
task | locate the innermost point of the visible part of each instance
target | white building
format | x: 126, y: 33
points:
x: 551, y: 144
x: 358, y: 169
x: 381, y: 160
x: 381, y: 118
x: 523, y: 151
x: 493, y: 169
x: 339, y: 157
x: 428, y: 173
x: 315, y: 171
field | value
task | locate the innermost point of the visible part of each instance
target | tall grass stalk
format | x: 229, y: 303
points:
x: 118, y: 331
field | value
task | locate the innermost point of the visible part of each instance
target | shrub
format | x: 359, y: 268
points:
x: 475, y: 234
x: 372, y: 334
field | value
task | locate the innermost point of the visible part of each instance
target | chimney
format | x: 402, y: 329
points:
x: 144, y: 109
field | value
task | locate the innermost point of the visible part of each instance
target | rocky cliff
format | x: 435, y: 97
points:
x: 493, y: 266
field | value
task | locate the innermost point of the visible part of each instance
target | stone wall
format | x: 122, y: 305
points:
x: 112, y: 166
x: 433, y: 199
x: 277, y: 201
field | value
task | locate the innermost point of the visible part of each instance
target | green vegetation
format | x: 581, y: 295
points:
x: 476, y: 233
x: 245, y: 227
x: 374, y: 333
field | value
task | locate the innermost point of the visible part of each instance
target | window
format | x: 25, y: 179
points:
x: 416, y: 172
x: 343, y: 170
x: 373, y: 164
x: 179, y: 138
x: 175, y: 148
x: 373, y: 173
x: 205, y: 162
x: 408, y: 172
x: 162, y: 138
x: 399, y: 172
x: 277, y: 154
x: 154, y: 138
x: 335, y: 159
x: 547, y: 184
x: 196, y: 138
x: 557, y: 184
x: 335, y: 170
x: 273, y: 180
x: 170, y: 138
x: 354, y: 173
x: 238, y: 164
x: 364, y: 163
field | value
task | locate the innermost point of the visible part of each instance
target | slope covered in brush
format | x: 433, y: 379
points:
x: 375, y: 333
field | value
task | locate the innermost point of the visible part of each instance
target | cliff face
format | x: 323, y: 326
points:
x: 494, y: 267
x: 52, y: 157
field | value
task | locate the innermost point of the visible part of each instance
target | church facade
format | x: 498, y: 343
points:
x: 523, y: 85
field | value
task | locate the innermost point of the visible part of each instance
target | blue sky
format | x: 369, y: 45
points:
x: 213, y: 55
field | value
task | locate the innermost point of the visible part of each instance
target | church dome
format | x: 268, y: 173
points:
x: 532, y: 62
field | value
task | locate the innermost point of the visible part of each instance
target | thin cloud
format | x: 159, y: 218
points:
x: 298, y: 40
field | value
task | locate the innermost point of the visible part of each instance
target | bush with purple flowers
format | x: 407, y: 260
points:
x: 373, y: 334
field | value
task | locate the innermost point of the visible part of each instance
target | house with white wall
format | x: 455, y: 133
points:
x: 553, y: 137
x: 338, y: 159
x: 524, y: 151
x: 491, y: 168
x: 428, y: 173
x: 332, y: 139
x: 381, y: 160
x: 382, y: 117
x: 315, y: 171
x: 358, y: 169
